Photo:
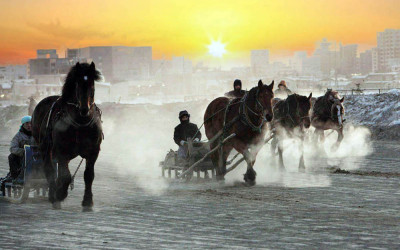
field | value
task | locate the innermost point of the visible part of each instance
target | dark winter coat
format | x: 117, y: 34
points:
x: 20, y: 139
x: 185, y: 130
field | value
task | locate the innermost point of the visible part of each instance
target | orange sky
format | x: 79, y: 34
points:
x: 185, y: 27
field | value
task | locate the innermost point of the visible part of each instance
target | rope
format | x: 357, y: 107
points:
x: 73, y: 176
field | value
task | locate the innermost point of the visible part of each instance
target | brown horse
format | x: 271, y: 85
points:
x: 246, y: 118
x: 328, y: 113
x: 291, y: 117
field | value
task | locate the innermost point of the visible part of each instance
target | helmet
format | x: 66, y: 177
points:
x: 26, y: 119
x: 282, y: 83
x: 183, y: 113
x: 237, y: 82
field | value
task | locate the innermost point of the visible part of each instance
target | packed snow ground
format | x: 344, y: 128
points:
x: 136, y: 208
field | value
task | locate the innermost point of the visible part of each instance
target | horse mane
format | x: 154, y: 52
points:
x: 252, y: 94
x: 72, y: 77
x: 332, y: 93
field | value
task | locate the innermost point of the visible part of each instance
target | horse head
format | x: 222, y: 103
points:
x: 79, y: 86
x: 337, y: 109
x: 264, y: 96
x: 301, y: 105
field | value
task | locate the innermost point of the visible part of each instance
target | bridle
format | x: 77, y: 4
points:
x: 260, y: 112
x: 339, y: 107
x: 76, y: 105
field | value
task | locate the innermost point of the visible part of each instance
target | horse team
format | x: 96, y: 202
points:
x: 247, y: 118
x: 69, y: 125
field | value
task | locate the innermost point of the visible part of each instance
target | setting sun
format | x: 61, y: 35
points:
x: 216, y: 49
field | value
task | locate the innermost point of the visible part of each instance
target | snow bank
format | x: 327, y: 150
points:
x: 379, y: 112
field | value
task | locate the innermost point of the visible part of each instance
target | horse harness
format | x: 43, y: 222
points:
x: 325, y: 106
x: 61, y: 113
x: 294, y: 123
x: 244, y: 114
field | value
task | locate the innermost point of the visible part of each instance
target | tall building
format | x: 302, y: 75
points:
x: 375, y: 59
x: 13, y: 72
x: 131, y: 62
x: 74, y: 56
x: 348, y: 59
x: 259, y: 61
x: 102, y: 57
x: 46, y: 53
x: 298, y: 61
x: 325, y: 55
x: 388, y: 47
x: 47, y: 63
x: 366, y: 62
x: 120, y: 63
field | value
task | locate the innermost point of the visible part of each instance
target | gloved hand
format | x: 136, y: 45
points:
x: 196, y: 140
x: 182, y: 142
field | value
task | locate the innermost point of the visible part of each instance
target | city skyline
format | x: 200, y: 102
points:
x: 184, y: 28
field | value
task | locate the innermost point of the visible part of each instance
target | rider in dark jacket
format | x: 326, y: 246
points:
x: 184, y: 131
x: 237, y: 91
x: 16, y: 158
x: 23, y: 137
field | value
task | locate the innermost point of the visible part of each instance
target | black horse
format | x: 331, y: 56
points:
x: 291, y: 116
x: 67, y: 126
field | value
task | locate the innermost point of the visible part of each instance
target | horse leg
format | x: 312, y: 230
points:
x: 219, y: 159
x: 250, y: 175
x: 302, y: 167
x: 316, y: 136
x: 63, y: 180
x: 322, y: 136
x: 221, y: 165
x: 274, y: 143
x: 336, y: 145
x: 51, y: 178
x: 216, y: 162
x: 87, y: 201
x: 280, y: 151
x: 340, y: 136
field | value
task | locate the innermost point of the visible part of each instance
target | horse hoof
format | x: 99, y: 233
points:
x: 62, y: 194
x: 282, y: 169
x: 250, y: 183
x: 220, y: 178
x: 51, y: 198
x: 302, y: 169
x: 334, y: 147
x: 87, y: 209
x: 57, y: 205
x: 87, y: 203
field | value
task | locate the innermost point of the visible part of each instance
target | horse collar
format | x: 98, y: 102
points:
x: 243, y: 111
